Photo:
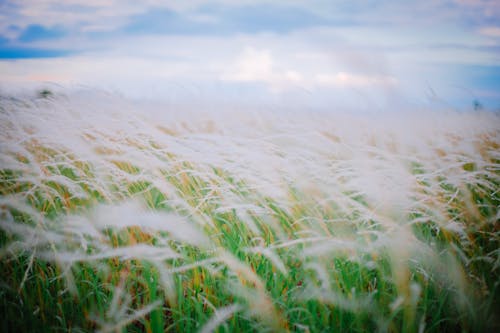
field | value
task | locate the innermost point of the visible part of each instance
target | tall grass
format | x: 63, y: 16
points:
x: 119, y: 216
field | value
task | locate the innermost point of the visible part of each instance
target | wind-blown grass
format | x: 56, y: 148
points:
x: 121, y: 216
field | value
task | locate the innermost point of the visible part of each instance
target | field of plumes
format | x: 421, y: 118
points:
x: 122, y: 216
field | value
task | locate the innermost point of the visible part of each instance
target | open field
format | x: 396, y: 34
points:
x: 119, y: 216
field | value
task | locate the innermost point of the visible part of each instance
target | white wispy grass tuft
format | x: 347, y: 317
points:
x: 220, y: 316
x: 325, y: 186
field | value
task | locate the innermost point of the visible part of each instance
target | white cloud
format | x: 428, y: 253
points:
x: 361, y: 57
x: 104, y: 72
x: 254, y: 65
x: 93, y: 15
x: 492, y: 31
x: 354, y: 80
x: 79, y: 15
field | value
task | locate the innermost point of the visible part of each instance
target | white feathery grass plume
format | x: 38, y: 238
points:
x: 130, y: 214
x: 309, y: 187
x: 219, y: 317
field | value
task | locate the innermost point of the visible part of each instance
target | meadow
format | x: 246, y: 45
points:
x: 121, y: 216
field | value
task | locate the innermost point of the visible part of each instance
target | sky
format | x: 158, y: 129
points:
x: 352, y: 55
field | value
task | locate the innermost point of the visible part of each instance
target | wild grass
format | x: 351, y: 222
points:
x: 125, y: 217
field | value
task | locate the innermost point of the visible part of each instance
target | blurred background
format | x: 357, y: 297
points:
x: 358, y: 56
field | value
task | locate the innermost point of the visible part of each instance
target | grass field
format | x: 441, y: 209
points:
x: 118, y: 216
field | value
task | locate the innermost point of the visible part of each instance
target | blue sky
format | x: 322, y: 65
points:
x: 348, y: 54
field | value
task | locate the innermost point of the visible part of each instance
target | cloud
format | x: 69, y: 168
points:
x: 72, y: 15
x: 354, y: 80
x: 278, y: 47
x: 107, y: 72
x: 258, y: 18
x: 492, y: 31
x: 224, y: 20
x: 248, y: 16
x: 161, y: 21
x: 254, y: 65
x: 487, y: 7
x: 151, y: 16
